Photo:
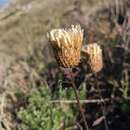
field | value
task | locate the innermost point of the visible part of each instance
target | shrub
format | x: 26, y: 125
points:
x: 42, y: 114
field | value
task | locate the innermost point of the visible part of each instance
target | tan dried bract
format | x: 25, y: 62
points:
x: 66, y: 44
x: 94, y: 56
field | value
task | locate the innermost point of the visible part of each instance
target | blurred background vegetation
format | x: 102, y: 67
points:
x: 30, y: 79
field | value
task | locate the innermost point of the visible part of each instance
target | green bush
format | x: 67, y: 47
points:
x: 42, y: 114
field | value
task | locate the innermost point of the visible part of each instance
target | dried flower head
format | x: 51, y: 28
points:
x: 66, y: 44
x: 94, y: 55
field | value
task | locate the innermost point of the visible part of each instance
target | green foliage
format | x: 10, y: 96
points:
x: 125, y: 85
x: 68, y: 93
x: 42, y: 114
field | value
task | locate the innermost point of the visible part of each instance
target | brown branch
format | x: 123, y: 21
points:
x: 81, y: 101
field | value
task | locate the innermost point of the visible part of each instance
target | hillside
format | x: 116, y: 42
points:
x: 24, y: 23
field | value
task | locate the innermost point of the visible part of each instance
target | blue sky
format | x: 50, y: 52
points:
x: 2, y: 2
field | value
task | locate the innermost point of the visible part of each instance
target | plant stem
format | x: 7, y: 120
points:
x: 81, y: 101
x: 79, y: 105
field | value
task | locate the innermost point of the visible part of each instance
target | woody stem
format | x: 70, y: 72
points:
x: 79, y: 104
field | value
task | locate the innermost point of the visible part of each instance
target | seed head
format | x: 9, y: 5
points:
x: 94, y: 56
x: 66, y: 44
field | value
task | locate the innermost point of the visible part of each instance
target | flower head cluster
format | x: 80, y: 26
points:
x: 94, y: 54
x: 66, y: 44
